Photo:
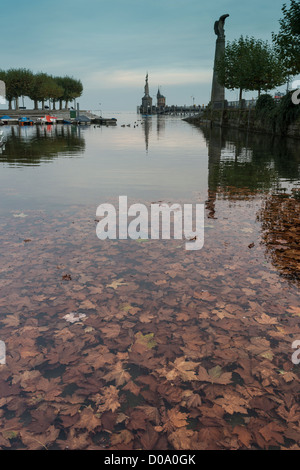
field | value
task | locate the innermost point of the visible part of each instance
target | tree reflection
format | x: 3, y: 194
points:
x: 29, y: 146
x: 242, y: 165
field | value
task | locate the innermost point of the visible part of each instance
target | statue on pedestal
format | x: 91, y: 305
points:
x: 218, y: 91
x: 219, y: 26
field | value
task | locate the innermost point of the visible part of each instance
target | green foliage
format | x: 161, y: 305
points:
x: 287, y: 40
x: 250, y: 64
x: 18, y: 83
x: 39, y: 87
x: 265, y: 102
x: 279, y: 115
x: 72, y: 88
x: 288, y: 112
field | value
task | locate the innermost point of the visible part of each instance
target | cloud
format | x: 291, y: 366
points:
x: 136, y: 78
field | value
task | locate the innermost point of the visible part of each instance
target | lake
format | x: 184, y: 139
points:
x: 142, y: 344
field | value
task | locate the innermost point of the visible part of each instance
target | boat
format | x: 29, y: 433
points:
x: 8, y: 120
x: 25, y: 121
x: 47, y: 120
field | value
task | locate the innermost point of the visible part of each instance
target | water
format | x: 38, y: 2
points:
x: 139, y: 343
x: 85, y: 165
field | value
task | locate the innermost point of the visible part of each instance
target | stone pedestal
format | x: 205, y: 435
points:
x: 218, y: 91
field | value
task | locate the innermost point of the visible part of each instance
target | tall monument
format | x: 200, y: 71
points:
x: 146, y: 107
x: 218, y: 91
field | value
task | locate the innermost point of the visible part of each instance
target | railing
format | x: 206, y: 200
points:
x: 244, y: 104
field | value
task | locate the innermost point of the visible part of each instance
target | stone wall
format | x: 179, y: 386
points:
x: 243, y: 119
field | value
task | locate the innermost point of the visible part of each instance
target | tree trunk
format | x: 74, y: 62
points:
x: 66, y: 105
x: 60, y: 104
x: 240, y: 97
x: 53, y: 107
x: 43, y: 104
x: 9, y: 105
x: 17, y: 103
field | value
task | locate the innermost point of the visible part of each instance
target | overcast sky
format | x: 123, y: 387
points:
x: 111, y: 45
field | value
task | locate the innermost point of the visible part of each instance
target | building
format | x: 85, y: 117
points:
x: 146, y: 107
x: 161, y: 101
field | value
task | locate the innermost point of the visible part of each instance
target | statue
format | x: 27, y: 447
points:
x: 218, y: 91
x: 219, y: 27
x: 146, y: 86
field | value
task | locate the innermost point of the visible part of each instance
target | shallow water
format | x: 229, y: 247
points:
x: 129, y: 344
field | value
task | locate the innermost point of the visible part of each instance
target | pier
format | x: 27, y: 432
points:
x: 13, y: 116
x: 174, y: 110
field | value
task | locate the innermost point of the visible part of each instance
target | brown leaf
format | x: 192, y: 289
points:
x: 88, y: 420
x: 149, y: 438
x: 118, y: 374
x: 181, y: 438
x: 183, y: 369
x: 109, y: 400
x: 39, y: 441
x: 175, y: 419
x: 244, y: 435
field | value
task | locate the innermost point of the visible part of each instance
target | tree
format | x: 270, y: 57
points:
x: 287, y: 40
x: 250, y: 64
x: 72, y: 89
x: 18, y: 83
x: 44, y: 87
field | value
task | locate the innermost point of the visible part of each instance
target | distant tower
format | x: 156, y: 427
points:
x: 161, y: 101
x: 146, y: 107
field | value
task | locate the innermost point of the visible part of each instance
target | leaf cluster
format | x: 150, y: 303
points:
x: 250, y: 64
x: 287, y: 40
x: 39, y: 86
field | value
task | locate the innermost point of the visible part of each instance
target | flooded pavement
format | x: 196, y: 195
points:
x: 142, y: 344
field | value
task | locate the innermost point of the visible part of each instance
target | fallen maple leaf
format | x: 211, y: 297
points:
x: 123, y: 437
x: 233, y: 403
x: 39, y: 441
x: 215, y: 376
x: 204, y: 295
x: 108, y: 400
x: 118, y: 374
x: 272, y: 431
x: 244, y: 436
x: 74, y: 317
x: 145, y: 340
x: 183, y: 369
x: 175, y: 419
x: 116, y: 284
x: 181, y: 438
x: 88, y: 420
x: 266, y: 320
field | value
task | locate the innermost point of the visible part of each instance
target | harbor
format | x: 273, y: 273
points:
x: 31, y: 117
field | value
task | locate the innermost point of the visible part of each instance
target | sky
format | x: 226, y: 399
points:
x: 111, y: 45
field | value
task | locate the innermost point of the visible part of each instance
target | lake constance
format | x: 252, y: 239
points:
x: 142, y: 344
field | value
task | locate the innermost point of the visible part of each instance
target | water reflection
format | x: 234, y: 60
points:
x: 241, y: 165
x: 260, y: 163
x: 27, y: 146
x: 280, y: 232
x: 147, y: 125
